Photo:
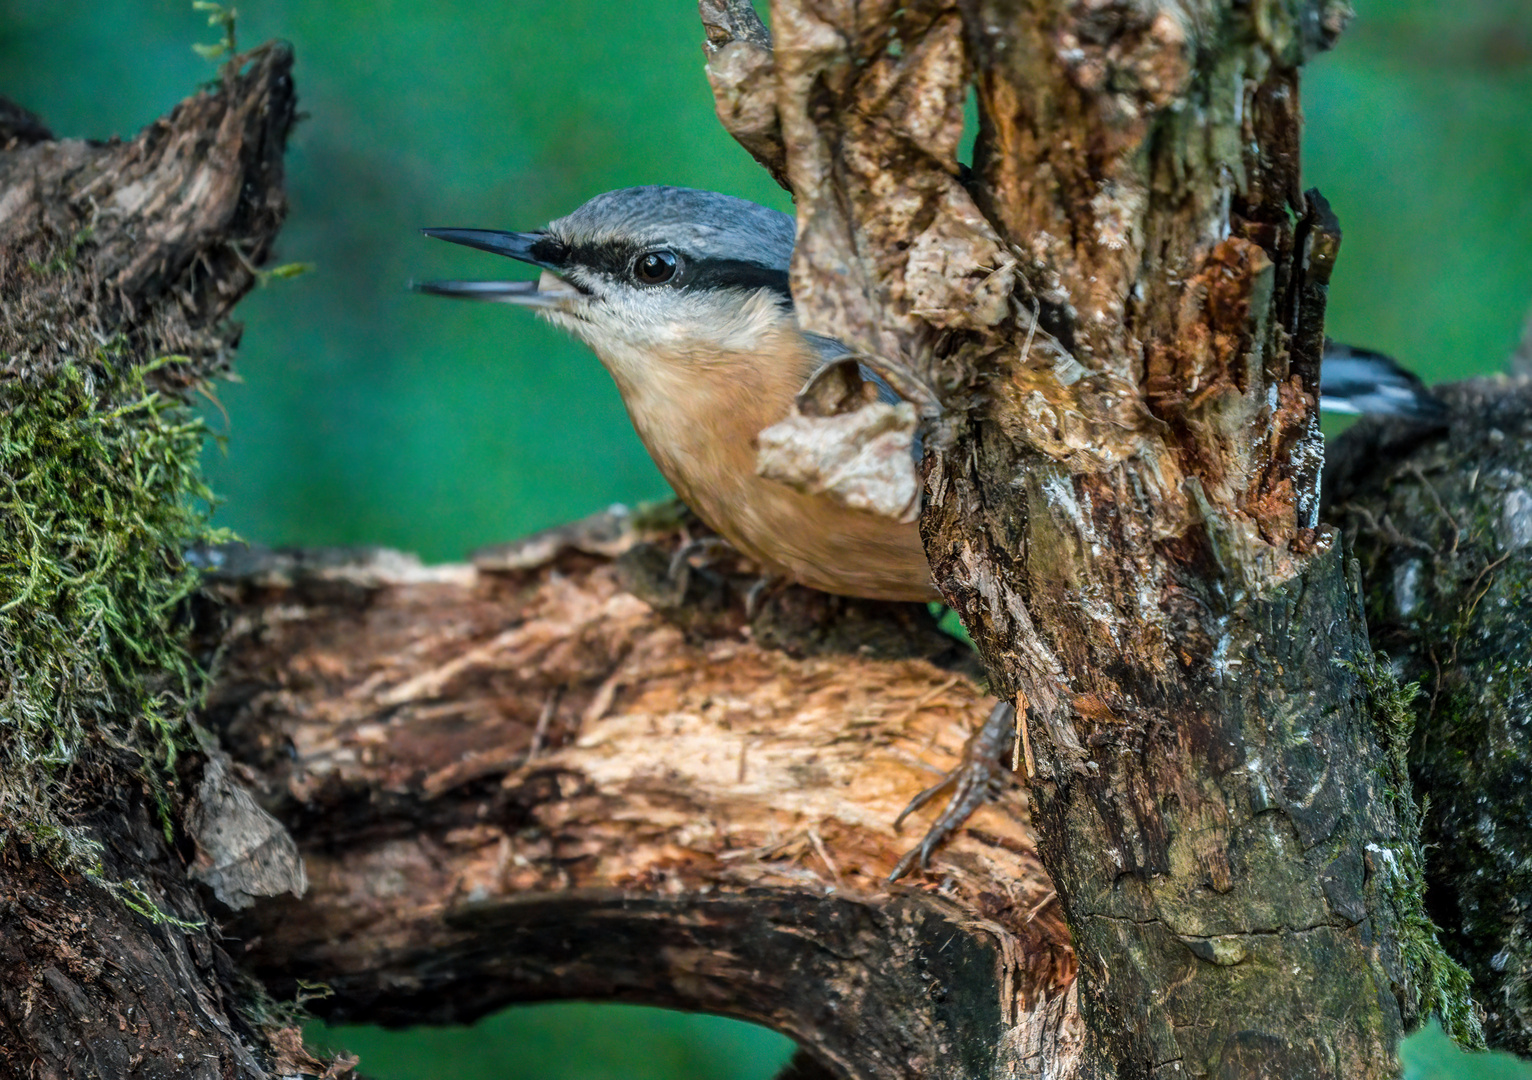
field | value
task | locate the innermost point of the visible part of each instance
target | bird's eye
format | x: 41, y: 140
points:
x: 655, y: 267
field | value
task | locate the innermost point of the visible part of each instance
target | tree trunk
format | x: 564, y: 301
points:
x: 1120, y: 310
x: 558, y: 772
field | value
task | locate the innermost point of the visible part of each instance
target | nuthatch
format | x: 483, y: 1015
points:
x: 684, y: 296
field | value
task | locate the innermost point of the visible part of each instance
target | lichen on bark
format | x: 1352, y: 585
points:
x: 1443, y: 985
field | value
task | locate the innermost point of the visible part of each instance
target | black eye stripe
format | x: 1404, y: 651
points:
x: 737, y: 274
x: 550, y: 252
x: 616, y: 261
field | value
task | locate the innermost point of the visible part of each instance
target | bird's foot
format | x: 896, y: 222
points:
x: 973, y: 782
x: 762, y: 590
x: 705, y: 548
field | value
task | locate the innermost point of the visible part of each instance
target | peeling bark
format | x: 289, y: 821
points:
x: 739, y: 69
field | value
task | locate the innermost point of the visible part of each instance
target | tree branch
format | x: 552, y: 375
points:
x: 1442, y: 527
x: 522, y: 781
x: 113, y: 255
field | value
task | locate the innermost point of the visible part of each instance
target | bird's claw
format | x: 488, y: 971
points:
x: 972, y: 782
x: 679, y: 572
x: 761, y: 590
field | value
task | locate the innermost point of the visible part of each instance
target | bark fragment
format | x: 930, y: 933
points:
x: 739, y: 69
x: 861, y: 458
x: 242, y: 852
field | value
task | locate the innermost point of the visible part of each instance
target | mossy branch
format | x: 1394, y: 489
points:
x: 113, y: 315
x: 1399, y: 871
x: 100, y: 492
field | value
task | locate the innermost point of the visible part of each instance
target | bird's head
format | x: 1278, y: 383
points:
x: 648, y: 275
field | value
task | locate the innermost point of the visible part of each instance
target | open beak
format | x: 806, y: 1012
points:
x: 549, y: 290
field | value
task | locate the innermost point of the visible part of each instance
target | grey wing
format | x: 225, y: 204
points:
x: 1356, y: 381
x: 833, y: 349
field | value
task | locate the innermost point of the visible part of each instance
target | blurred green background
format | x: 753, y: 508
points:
x: 368, y: 415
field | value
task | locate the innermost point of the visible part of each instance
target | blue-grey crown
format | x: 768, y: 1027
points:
x: 699, y: 224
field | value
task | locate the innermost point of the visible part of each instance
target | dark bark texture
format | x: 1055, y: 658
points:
x: 1442, y: 522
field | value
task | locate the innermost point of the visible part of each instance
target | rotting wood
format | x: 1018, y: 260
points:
x: 706, y: 823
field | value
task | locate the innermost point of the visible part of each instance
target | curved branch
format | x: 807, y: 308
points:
x: 532, y: 782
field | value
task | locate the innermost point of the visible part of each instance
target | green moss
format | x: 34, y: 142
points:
x: 1444, y: 985
x: 66, y: 256
x: 100, y: 494
x: 136, y: 899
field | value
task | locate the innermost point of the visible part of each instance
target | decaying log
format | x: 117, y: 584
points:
x: 555, y: 774
x: 552, y: 775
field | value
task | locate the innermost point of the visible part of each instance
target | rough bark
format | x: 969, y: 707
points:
x: 1120, y: 308
x: 113, y: 255
x: 1442, y: 521
x: 154, y: 239
x: 531, y: 777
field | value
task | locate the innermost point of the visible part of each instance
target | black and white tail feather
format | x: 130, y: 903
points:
x: 1359, y: 381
